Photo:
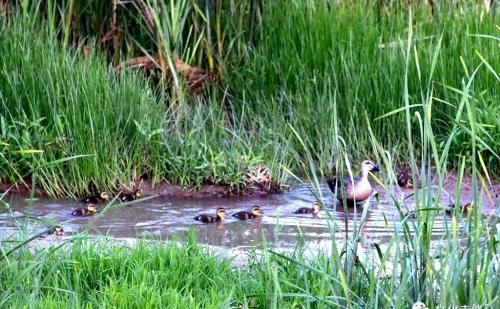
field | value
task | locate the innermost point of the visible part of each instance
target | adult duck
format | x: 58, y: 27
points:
x: 357, y: 190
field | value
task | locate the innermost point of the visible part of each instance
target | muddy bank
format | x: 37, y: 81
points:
x: 163, y: 189
x: 168, y: 190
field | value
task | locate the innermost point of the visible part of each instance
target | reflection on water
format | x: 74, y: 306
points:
x: 279, y: 225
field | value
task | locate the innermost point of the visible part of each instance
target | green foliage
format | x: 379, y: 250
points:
x: 291, y: 71
x: 67, y: 103
x: 307, y: 91
x: 310, y: 52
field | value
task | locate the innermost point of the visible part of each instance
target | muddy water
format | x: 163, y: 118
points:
x: 279, y: 225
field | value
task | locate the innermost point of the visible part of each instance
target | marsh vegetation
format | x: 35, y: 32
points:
x: 98, y: 94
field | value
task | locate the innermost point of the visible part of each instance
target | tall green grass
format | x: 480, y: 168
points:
x: 299, y: 64
x: 312, y: 53
x: 315, y: 116
x: 56, y: 103
x: 460, y: 268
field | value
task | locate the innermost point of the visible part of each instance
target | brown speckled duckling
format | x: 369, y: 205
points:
x: 221, y: 212
x: 85, y: 211
x: 58, y: 230
x: 244, y: 215
x: 405, y: 178
x: 128, y: 197
x: 306, y: 210
x: 94, y: 199
x: 411, y: 214
x: 469, y: 207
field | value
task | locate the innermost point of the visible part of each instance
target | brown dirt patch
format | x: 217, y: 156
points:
x: 163, y: 189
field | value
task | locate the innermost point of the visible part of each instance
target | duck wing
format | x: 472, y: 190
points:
x: 304, y: 210
x: 205, y: 218
x: 243, y: 215
x: 335, y: 184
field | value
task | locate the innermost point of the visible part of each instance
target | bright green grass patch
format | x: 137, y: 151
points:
x: 56, y: 104
x: 102, y: 273
x: 311, y: 53
x: 327, y: 70
x: 89, y: 272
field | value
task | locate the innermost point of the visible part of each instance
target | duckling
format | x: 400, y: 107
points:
x: 221, y: 212
x: 94, y: 199
x: 357, y: 191
x: 306, y: 210
x: 244, y: 215
x: 58, y: 230
x: 405, y: 179
x: 463, y: 209
x: 131, y: 196
x: 82, y: 211
x: 411, y: 214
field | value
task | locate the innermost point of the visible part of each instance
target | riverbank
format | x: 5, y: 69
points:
x: 163, y: 189
x: 66, y: 113
x: 261, y: 186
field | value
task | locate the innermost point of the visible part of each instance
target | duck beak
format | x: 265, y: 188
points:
x: 376, y: 169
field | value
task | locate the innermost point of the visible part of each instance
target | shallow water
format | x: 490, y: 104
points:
x: 279, y: 225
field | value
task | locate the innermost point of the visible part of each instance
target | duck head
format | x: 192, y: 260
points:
x: 316, y: 206
x: 256, y: 210
x: 91, y: 208
x: 369, y: 165
x: 104, y: 196
x: 221, y: 212
x: 138, y: 193
x: 58, y: 230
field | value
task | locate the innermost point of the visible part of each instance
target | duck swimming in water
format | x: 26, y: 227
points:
x: 463, y: 209
x: 58, y: 230
x: 405, y: 179
x: 221, y: 212
x: 306, y: 210
x: 244, y: 215
x: 359, y: 189
x: 128, y: 197
x: 85, y: 211
x: 94, y: 199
